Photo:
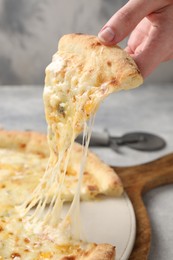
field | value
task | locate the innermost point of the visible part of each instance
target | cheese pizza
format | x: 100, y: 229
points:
x: 83, y: 72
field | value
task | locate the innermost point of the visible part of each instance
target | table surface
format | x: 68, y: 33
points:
x: 148, y: 108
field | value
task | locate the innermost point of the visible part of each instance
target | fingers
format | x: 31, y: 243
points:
x: 152, y: 51
x: 125, y: 20
x: 150, y: 25
x: 151, y: 42
x: 138, y: 35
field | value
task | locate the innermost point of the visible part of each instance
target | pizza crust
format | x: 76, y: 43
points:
x: 24, y: 141
x: 107, y: 182
x: 103, y: 64
x: 97, y: 252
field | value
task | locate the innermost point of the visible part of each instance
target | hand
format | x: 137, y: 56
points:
x: 150, y: 23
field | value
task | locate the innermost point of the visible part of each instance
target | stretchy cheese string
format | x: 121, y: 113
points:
x: 50, y: 180
x: 54, y: 177
x: 74, y: 212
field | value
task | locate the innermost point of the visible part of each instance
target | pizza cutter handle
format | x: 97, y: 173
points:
x: 137, y: 180
x: 97, y: 139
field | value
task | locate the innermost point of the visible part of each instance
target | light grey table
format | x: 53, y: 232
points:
x: 148, y: 108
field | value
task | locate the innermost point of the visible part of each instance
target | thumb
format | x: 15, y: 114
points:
x: 125, y: 20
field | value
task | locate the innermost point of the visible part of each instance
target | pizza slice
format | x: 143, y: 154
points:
x: 82, y: 73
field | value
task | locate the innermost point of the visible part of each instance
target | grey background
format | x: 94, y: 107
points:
x: 30, y: 30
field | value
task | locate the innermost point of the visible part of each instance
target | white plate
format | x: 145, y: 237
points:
x: 111, y: 220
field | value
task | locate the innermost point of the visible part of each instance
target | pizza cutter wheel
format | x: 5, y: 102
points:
x: 136, y: 140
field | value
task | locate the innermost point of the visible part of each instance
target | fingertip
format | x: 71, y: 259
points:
x: 107, y: 36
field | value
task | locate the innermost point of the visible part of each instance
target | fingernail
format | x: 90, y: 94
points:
x: 106, y: 35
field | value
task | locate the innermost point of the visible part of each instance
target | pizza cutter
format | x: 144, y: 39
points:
x: 136, y: 140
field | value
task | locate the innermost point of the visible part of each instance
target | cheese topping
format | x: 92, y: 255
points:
x: 19, y: 243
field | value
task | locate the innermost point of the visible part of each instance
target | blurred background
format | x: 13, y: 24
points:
x: 30, y: 30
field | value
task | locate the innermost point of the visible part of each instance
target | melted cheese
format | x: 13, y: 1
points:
x: 67, y: 107
x: 17, y: 239
x: 69, y: 103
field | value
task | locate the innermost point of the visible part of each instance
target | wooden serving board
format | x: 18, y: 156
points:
x: 137, y: 180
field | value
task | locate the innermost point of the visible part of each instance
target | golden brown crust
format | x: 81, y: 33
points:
x: 107, y: 182
x: 24, y: 141
x: 96, y: 252
x: 101, y: 252
x: 102, y: 63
